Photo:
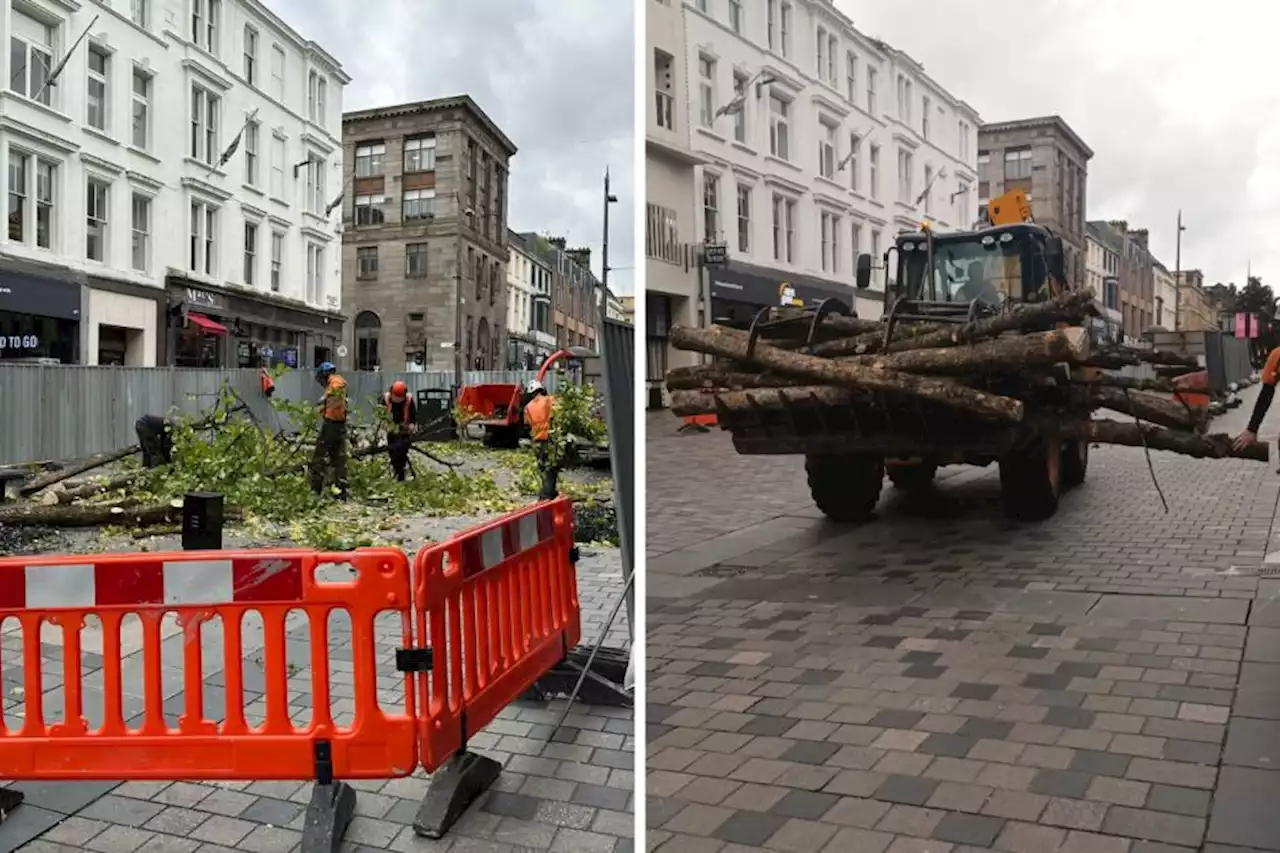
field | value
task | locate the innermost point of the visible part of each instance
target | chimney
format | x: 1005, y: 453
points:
x: 1139, y: 236
x: 558, y: 242
x: 581, y: 257
x: 1119, y: 224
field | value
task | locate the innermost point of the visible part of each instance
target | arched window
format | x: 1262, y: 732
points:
x: 482, y: 343
x: 368, y: 330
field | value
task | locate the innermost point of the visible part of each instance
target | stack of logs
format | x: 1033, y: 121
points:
x: 997, y: 369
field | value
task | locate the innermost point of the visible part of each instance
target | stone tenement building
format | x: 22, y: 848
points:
x: 425, y: 210
x: 1044, y: 158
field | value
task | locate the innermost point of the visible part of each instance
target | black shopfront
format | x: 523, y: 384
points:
x: 228, y: 328
x: 739, y: 290
x: 39, y: 313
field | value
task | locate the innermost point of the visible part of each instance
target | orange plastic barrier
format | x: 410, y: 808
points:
x: 196, y: 587
x: 498, y: 607
x: 701, y: 420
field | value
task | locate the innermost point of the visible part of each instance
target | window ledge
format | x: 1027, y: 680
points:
x: 278, y: 200
x: 255, y: 190
x: 710, y: 134
x: 144, y: 154
x: 202, y: 165
x: 773, y: 158
x: 101, y: 134
x: 34, y: 104
x: 745, y: 148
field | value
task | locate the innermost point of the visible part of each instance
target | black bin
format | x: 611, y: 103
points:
x: 435, y: 414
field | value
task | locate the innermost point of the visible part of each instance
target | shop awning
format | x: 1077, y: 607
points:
x: 209, y: 327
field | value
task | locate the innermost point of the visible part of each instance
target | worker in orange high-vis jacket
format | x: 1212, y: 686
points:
x: 330, y: 457
x: 1270, y: 375
x: 403, y: 414
x: 537, y: 414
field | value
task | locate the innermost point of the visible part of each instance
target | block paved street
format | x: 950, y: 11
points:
x: 942, y: 680
x: 574, y: 795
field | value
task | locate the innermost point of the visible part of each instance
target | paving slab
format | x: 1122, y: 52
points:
x: 942, y: 679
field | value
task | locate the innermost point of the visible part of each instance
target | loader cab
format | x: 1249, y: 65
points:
x: 993, y: 266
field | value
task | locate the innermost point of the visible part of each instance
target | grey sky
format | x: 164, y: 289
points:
x: 1176, y: 98
x: 555, y: 75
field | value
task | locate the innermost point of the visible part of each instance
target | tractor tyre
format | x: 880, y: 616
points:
x: 846, y: 487
x: 1075, y: 462
x: 1031, y: 480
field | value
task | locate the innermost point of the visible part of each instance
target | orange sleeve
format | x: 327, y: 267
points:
x: 1271, y: 370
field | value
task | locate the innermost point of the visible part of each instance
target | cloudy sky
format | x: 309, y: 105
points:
x: 556, y: 76
x: 1176, y: 98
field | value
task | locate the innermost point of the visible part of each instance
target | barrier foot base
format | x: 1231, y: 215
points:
x: 454, y: 787
x: 328, y: 814
x: 602, y: 687
x: 10, y: 799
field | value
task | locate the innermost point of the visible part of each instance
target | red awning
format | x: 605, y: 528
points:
x: 207, y: 326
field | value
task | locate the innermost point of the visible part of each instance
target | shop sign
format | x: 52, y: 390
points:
x: 204, y: 299
x: 22, y: 293
x: 10, y: 343
x: 291, y: 357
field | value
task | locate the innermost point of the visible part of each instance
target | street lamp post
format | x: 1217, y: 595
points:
x: 1177, y: 276
x: 459, y: 300
x: 604, y: 263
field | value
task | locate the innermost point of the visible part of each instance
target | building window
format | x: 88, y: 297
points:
x: 771, y: 24
x: 828, y: 225
x: 962, y: 137
x: 30, y: 57
x: 706, y: 91
x: 664, y: 103
x: 21, y: 220
x: 204, y: 24
x: 875, y: 243
x: 204, y: 125
x: 251, y: 158
x: 827, y: 151
x: 778, y: 127
x: 277, y: 259
x: 96, y: 93
x: 853, y: 160
x: 735, y: 16
x: 369, y: 159
x: 419, y: 204
x: 315, y: 185
x: 18, y: 195
x: 277, y: 72
x: 905, y: 166
x: 368, y: 327
x: 785, y: 29
x: 662, y: 234
x: 141, y: 134
x: 927, y: 192
x: 250, y: 253
x: 369, y: 209
x: 904, y: 99
x: 872, y: 74
x: 833, y: 52
x: 740, y: 117
x: 317, y: 93
x: 277, y: 166
x: 744, y: 218
x: 710, y: 207
x: 367, y: 262
x: 415, y: 260
x: 1017, y: 163
x: 851, y: 77
x: 250, y: 55
x: 873, y: 169
x: 140, y: 13
x: 822, y: 53
x: 204, y: 233
x: 141, y: 250
x: 784, y: 216
x: 96, y: 212
x: 420, y: 154
x: 855, y: 243
x: 315, y: 267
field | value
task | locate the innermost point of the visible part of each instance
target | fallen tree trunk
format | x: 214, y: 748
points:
x: 716, y: 376
x: 80, y: 515
x: 88, y: 490
x: 1148, y: 407
x: 1130, y: 382
x: 686, y: 403
x: 729, y: 343
x: 904, y: 337
x: 1069, y: 345
x: 86, y: 464
x: 1216, y: 446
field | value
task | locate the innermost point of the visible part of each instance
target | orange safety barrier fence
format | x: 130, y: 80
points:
x: 192, y: 588
x: 498, y: 607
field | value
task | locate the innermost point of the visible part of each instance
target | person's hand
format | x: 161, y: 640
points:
x: 1248, y: 438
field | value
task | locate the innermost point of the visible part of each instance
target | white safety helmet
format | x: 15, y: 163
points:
x: 534, y: 385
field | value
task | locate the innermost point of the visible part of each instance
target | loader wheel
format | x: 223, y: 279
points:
x: 912, y: 478
x: 845, y: 487
x: 1075, y: 462
x: 1031, y: 479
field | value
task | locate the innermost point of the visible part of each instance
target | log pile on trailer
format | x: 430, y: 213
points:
x: 836, y: 387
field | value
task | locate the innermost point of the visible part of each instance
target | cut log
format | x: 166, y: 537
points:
x: 82, y: 515
x: 1148, y: 407
x: 1068, y: 308
x: 79, y: 467
x: 717, y: 376
x: 686, y: 403
x: 729, y: 343
x: 90, y: 489
x: 872, y: 341
x: 1216, y: 446
x: 1002, y: 355
x: 1132, y: 383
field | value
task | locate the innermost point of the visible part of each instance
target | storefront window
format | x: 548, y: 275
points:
x: 196, y: 349
x: 26, y: 336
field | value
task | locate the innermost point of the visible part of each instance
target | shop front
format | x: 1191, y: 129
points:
x: 740, y: 290
x: 40, y: 313
x: 234, y: 328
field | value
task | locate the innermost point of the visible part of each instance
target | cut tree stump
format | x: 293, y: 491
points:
x: 729, y: 343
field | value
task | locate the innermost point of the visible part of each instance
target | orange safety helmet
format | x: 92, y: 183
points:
x: 399, y: 390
